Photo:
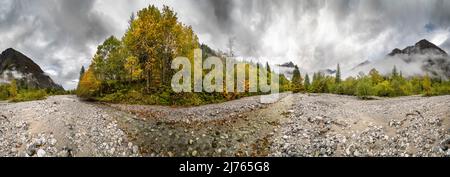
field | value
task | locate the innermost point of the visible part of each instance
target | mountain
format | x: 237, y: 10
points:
x: 328, y: 71
x: 419, y: 59
x: 15, y: 65
x: 288, y: 65
x: 364, y: 63
x: 421, y: 47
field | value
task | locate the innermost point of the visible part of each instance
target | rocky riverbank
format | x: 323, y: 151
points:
x: 296, y: 125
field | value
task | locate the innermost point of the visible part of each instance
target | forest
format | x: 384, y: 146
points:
x: 136, y: 69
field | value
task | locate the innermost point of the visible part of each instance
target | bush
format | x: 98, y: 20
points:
x: 348, y: 86
x: 364, y: 87
x: 439, y: 89
x: 4, y: 93
x: 383, y: 89
x: 399, y: 88
x: 30, y: 95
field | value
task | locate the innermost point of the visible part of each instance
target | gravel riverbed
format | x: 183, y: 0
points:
x: 296, y: 125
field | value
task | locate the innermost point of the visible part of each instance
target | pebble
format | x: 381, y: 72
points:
x: 345, y: 129
x: 41, y: 153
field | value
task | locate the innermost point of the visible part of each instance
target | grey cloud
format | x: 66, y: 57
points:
x: 41, y: 29
x: 369, y: 28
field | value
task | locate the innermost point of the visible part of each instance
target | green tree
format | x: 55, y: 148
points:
x: 82, y: 70
x: 307, y: 82
x: 400, y: 87
x: 375, y: 76
x: 394, y: 72
x: 297, y: 81
x: 338, y: 74
x: 319, y: 83
x: 364, y: 87
x: 107, y: 62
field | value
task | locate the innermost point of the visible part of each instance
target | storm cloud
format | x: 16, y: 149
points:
x: 62, y: 35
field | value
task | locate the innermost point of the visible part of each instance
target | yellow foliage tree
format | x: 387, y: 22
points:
x: 155, y: 38
x: 13, y: 89
x: 89, y: 85
x: 133, y: 68
x: 427, y: 85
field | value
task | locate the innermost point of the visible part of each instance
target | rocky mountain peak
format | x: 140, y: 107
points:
x: 422, y: 47
x: 15, y: 65
x: 288, y: 64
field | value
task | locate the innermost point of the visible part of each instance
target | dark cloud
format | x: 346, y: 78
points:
x: 58, y: 35
x: 320, y: 33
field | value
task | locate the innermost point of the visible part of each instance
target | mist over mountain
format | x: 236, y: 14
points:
x: 422, y: 58
x: 15, y: 65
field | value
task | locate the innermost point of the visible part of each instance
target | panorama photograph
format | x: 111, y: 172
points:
x: 224, y: 78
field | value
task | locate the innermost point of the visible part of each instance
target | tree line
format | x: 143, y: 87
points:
x: 372, y: 84
x: 17, y: 91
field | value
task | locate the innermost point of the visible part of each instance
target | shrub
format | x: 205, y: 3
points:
x: 364, y: 87
x: 383, y: 89
x: 439, y: 89
x: 30, y: 95
x: 4, y: 93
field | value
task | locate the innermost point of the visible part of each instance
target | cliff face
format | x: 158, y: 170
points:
x: 421, y: 47
x: 15, y: 65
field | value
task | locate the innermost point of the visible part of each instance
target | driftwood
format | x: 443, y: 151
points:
x: 4, y: 117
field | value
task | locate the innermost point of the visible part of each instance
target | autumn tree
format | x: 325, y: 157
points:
x: 82, y: 71
x: 375, y: 76
x: 156, y: 37
x: 364, y: 87
x: 133, y: 68
x: 13, y: 89
x: 89, y: 85
x: 426, y: 85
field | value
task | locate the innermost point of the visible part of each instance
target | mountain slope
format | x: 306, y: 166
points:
x: 422, y: 58
x: 15, y: 65
x: 421, y: 47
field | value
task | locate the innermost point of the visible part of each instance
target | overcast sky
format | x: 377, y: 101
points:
x: 62, y: 35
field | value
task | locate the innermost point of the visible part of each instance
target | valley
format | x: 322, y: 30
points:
x: 296, y: 125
